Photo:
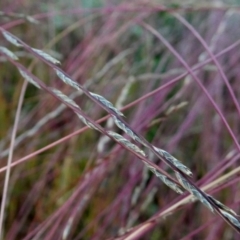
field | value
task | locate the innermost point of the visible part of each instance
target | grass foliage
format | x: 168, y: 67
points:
x: 119, y: 120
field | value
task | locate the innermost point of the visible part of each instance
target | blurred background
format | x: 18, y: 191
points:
x: 86, y: 186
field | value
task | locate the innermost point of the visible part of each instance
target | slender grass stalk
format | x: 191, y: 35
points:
x: 10, y: 157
